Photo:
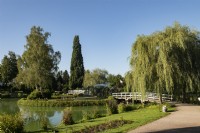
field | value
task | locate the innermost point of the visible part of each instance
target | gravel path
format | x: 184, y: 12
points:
x: 185, y: 120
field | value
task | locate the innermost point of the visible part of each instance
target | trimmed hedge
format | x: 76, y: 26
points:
x: 60, y: 103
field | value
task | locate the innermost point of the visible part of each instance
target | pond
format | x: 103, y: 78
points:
x: 34, y: 115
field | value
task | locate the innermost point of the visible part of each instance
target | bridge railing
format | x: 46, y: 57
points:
x: 137, y: 96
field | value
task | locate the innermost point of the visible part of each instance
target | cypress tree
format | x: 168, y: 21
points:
x: 77, y: 67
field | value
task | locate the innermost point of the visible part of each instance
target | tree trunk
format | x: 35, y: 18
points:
x: 184, y: 94
x: 160, y: 98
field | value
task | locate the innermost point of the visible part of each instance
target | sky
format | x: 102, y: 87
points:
x: 107, y: 29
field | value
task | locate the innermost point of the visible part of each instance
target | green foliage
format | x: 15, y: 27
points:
x: 129, y: 81
x: 67, y: 117
x: 121, y: 107
x: 111, y: 107
x: 86, y: 115
x: 5, y: 94
x: 167, y: 61
x: 97, y: 76
x: 153, y: 114
x: 111, y: 98
x: 77, y: 66
x: 44, y: 123
x: 61, y: 81
x: 38, y: 62
x: 104, y: 126
x: 19, y: 95
x: 125, y: 108
x: 35, y: 95
x: 100, y: 91
x: 8, y: 69
x: 95, y: 114
x: 116, y: 81
x: 65, y: 81
x: 169, y: 105
x: 39, y: 94
x: 11, y: 124
x: 130, y: 107
x: 56, y: 95
x: 88, y: 79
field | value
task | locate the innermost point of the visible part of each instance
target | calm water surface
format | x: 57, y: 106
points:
x: 34, y: 115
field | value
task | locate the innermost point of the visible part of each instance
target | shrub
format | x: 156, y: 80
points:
x: 11, y: 124
x: 169, y: 105
x: 95, y: 113
x: 67, y: 117
x: 121, y: 108
x: 130, y: 107
x: 44, y: 123
x: 5, y: 94
x: 111, y: 107
x: 34, y: 95
x: 86, y: 115
x: 80, y: 95
x: 111, y: 98
x: 38, y: 94
x: 46, y: 94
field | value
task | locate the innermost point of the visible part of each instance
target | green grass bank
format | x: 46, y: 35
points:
x: 138, y: 117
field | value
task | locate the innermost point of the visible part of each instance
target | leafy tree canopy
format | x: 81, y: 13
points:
x: 129, y: 81
x: 167, y: 61
x: 62, y: 81
x: 116, y: 81
x: 38, y: 62
x: 97, y: 76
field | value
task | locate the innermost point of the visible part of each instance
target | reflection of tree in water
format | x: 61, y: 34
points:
x: 8, y: 106
x: 35, y: 116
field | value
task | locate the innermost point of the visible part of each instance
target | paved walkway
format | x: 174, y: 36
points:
x: 185, y: 120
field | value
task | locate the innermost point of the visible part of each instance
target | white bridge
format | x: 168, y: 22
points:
x: 138, y: 96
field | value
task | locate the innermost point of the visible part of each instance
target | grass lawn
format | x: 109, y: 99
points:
x: 139, y: 117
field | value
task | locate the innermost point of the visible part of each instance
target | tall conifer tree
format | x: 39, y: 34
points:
x: 9, y: 68
x: 77, y: 67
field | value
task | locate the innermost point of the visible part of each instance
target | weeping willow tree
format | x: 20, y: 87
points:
x: 167, y: 62
x: 128, y: 79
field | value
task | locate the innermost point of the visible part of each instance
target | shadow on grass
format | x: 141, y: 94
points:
x: 171, y: 110
x: 49, y: 130
x: 180, y: 130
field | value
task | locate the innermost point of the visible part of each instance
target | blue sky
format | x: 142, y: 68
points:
x: 106, y: 28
